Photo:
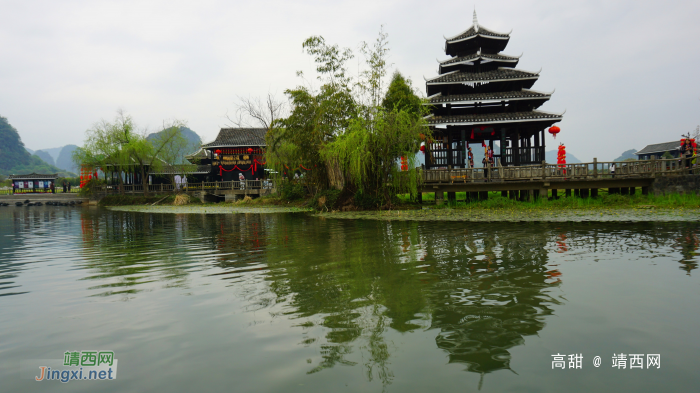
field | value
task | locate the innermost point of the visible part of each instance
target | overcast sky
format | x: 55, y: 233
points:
x: 626, y: 72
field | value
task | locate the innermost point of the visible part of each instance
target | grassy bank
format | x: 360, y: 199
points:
x: 129, y: 200
x: 603, y: 201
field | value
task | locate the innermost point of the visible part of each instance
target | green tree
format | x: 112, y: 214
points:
x: 400, y: 96
x: 12, y: 151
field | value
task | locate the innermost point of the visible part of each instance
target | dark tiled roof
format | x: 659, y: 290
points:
x: 493, y: 118
x: 476, y: 56
x: 484, y: 32
x: 34, y: 176
x: 499, y: 74
x: 230, y: 137
x: 440, y: 99
x: 201, y: 153
x: 660, y: 147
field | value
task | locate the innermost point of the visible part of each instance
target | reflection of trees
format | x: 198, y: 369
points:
x: 688, y: 243
x: 491, y: 295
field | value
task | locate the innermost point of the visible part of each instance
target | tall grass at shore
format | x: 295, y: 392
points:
x: 603, y: 201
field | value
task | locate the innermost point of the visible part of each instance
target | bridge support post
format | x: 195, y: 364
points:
x: 554, y: 193
x: 577, y: 192
x: 624, y: 191
x: 645, y: 190
x: 504, y: 194
x: 633, y: 190
x: 613, y: 190
x: 567, y: 193
x: 439, y: 197
x: 584, y: 193
x: 451, y: 197
x: 512, y: 194
x: 419, y: 197
x: 542, y: 193
x: 594, y: 192
x: 483, y: 195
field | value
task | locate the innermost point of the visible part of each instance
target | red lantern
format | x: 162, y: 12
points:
x: 217, y: 151
x: 250, y: 150
x: 422, y: 148
x: 554, y: 130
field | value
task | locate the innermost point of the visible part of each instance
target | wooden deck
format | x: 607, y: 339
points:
x: 589, y: 176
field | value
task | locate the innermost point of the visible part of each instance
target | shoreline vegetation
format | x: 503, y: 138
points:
x: 672, y: 207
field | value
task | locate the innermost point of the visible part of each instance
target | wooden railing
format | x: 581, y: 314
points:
x: 255, y: 186
x: 583, y: 171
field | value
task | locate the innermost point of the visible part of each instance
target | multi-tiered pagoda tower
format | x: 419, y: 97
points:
x: 480, y: 97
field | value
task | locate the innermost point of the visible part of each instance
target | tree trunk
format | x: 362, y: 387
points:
x: 144, y: 181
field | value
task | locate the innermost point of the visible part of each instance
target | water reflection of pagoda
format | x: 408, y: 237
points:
x: 479, y: 97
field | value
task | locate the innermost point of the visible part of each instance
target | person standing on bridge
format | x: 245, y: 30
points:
x: 485, y: 163
x: 470, y: 156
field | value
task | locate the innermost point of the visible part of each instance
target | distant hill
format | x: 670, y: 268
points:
x: 191, y: 136
x: 45, y: 156
x: 551, y: 157
x: 65, y: 159
x: 53, y: 152
x: 627, y: 155
x: 14, y: 157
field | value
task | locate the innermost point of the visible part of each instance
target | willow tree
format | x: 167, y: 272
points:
x: 118, y: 147
x: 104, y: 146
x: 316, y: 116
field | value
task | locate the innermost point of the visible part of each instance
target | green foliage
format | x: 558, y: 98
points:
x: 187, y: 142
x: 667, y: 155
x: 342, y: 134
x: 326, y: 200
x: 367, y: 201
x: 401, y: 96
x: 117, y: 147
x: 292, y: 190
x: 12, y: 151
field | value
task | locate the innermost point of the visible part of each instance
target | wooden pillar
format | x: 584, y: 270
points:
x: 452, y: 197
x: 613, y: 190
x: 463, y: 150
x: 449, y: 149
x: 554, y: 193
x: 567, y: 193
x: 516, y: 148
x: 504, y: 194
x: 483, y: 195
x: 594, y: 192
x: 632, y: 190
x: 624, y: 191
x: 512, y: 194
x: 645, y: 190
x: 584, y: 193
x: 439, y: 197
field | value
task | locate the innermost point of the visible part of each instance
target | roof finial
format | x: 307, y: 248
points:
x: 476, y: 22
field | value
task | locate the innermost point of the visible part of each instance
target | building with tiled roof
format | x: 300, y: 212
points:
x: 479, y: 97
x: 234, y: 153
x: 657, y: 150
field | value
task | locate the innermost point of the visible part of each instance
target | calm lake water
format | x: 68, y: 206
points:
x: 291, y: 302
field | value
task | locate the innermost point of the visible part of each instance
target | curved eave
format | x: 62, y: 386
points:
x: 554, y: 119
x: 229, y: 146
x: 477, y: 33
x: 492, y: 100
x: 471, y: 59
x: 483, y: 80
x: 455, y: 41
